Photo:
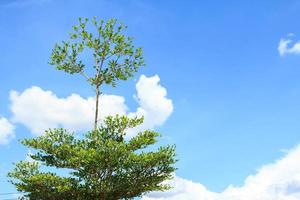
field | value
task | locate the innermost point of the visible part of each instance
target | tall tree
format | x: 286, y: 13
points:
x: 102, y: 163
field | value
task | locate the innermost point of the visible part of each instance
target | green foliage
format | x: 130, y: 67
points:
x: 41, y: 185
x: 102, y: 164
x: 115, y: 57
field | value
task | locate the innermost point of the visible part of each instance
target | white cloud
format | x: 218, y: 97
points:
x: 284, y: 46
x: 38, y: 109
x: 183, y: 189
x: 153, y: 102
x: 277, y: 181
x: 6, y: 131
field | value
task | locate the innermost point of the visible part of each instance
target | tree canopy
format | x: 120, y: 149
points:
x: 101, y: 165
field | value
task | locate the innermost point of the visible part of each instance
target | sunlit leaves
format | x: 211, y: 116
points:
x: 115, y: 57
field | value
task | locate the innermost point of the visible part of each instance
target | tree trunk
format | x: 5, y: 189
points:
x: 102, y: 196
x: 97, y: 107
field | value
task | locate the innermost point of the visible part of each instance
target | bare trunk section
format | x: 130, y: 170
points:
x: 97, y: 107
x: 102, y: 196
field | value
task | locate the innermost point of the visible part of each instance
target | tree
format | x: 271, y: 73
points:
x: 102, y: 163
x: 115, y: 57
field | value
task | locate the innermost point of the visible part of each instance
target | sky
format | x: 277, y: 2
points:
x: 221, y: 82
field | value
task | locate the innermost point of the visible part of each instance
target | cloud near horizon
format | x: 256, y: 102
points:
x: 39, y: 109
x: 277, y: 181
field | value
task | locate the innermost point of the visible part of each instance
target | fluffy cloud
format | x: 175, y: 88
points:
x: 153, y: 103
x: 284, y: 47
x: 183, y: 189
x: 6, y: 131
x: 38, y: 109
x: 277, y: 181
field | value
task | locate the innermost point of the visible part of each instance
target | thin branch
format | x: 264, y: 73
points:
x: 84, y: 75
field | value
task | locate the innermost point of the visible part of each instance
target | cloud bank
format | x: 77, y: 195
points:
x: 38, y: 109
x: 277, y: 181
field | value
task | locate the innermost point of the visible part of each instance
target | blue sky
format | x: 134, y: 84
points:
x: 235, y: 99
